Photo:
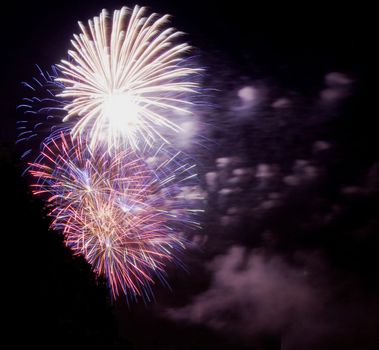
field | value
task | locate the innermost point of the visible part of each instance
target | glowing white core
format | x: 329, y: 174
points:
x: 121, y: 112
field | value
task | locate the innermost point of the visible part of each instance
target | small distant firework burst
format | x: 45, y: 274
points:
x: 113, y: 189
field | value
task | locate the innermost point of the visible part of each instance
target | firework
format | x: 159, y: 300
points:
x: 42, y: 112
x: 120, y: 203
x: 126, y: 76
x: 123, y: 214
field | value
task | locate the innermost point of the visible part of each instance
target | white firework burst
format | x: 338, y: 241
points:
x: 126, y: 76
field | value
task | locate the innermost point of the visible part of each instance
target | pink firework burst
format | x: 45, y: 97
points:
x: 125, y: 215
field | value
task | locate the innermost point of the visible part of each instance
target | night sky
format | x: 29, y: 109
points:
x: 287, y: 149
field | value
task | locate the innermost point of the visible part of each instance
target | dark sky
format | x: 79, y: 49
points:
x: 287, y: 258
